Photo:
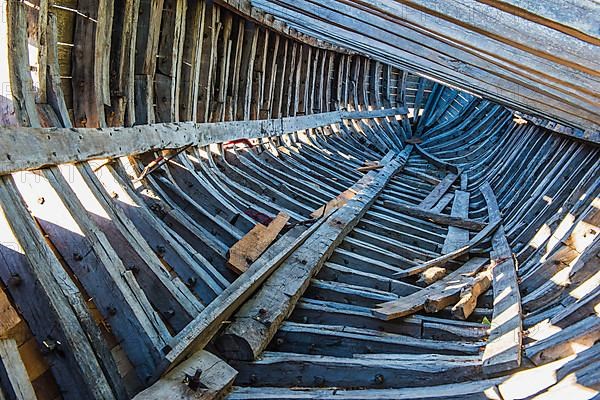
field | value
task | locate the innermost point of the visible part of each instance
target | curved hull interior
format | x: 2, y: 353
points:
x: 199, y: 206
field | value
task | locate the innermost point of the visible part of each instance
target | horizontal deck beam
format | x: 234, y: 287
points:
x: 68, y: 145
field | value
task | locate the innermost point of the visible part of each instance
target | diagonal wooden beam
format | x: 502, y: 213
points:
x: 438, y: 192
x: 441, y: 219
x: 488, y: 230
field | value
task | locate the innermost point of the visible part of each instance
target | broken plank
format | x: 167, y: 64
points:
x: 441, y: 260
x: 438, y: 192
x: 368, y: 168
x: 445, y: 291
x: 257, y: 321
x: 503, y: 350
x: 469, y: 294
x: 334, y: 203
x: 441, y: 219
x: 254, y: 243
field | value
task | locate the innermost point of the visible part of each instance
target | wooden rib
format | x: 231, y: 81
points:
x: 13, y: 376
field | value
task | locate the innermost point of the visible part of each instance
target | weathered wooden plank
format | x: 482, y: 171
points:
x: 377, y: 371
x: 570, y: 340
x: 442, y: 219
x: 257, y: 321
x: 254, y: 243
x: 488, y: 230
x: 88, y: 253
x: 438, y: 192
x: 214, y: 380
x: 442, y: 293
x: 58, y: 145
x: 13, y: 376
x: 457, y: 237
x: 503, y: 351
x: 340, y: 341
x: 482, y: 389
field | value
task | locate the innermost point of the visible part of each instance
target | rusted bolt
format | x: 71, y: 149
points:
x: 15, y: 280
x: 262, y: 311
x: 379, y: 379
x: 193, y: 381
x: 51, y: 345
x: 191, y: 282
x: 77, y: 257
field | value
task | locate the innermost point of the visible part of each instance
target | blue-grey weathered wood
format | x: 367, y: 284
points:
x: 503, y: 350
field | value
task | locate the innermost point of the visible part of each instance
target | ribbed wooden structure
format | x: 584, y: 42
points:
x: 299, y: 199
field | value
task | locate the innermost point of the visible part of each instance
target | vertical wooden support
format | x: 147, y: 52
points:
x: 146, y: 45
x: 54, y: 92
x: 279, y: 86
x: 503, y: 349
x: 18, y: 65
x: 91, y: 53
x: 122, y: 63
x: 289, y: 93
x: 272, y: 59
